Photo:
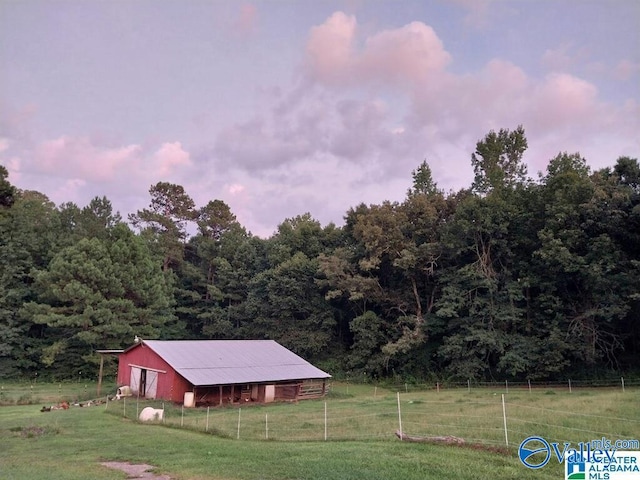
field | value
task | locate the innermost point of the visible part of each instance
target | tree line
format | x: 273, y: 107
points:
x: 509, y: 278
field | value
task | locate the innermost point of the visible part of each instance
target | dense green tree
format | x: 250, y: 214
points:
x: 30, y: 236
x: 202, y: 299
x: 98, y: 294
x: 165, y: 221
x: 587, y: 278
x: 423, y: 182
x: 7, y: 191
x: 497, y: 162
x: 286, y: 305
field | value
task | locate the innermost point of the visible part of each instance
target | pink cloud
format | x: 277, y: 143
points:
x: 235, y: 188
x: 329, y: 48
x: 563, y: 100
x: 247, y: 19
x: 170, y: 157
x: 477, y: 12
x: 558, y: 59
x: 78, y: 156
x: 411, y: 55
x: 626, y: 69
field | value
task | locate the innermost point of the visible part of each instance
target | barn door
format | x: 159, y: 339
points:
x: 152, y: 384
x: 134, y: 382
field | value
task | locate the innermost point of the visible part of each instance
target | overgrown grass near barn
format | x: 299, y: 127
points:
x: 361, y: 421
x: 48, y: 393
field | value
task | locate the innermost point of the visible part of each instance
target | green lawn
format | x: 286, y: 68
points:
x: 69, y: 444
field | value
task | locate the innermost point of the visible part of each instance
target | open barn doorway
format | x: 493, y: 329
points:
x: 144, y: 382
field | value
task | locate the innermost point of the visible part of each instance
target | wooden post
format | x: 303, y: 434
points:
x: 325, y: 421
x: 100, y: 375
x: 399, y: 417
x: 220, y: 403
x: 504, y: 417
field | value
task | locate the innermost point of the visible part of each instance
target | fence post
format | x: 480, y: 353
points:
x: 569, y: 385
x: 504, y: 417
x: 529, y: 382
x: 106, y: 406
x: 622, y: 380
x: 325, y: 421
x: 438, y: 387
x: 239, y: 415
x: 399, y: 416
x: 206, y: 428
x: 469, y: 386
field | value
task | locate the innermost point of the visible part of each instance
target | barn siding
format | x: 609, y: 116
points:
x: 170, y: 385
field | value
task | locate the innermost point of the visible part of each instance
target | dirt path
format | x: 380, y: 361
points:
x: 136, y: 471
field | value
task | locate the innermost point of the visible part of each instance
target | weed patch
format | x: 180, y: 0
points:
x: 33, y: 431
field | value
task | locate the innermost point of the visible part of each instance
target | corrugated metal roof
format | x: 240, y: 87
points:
x: 225, y: 362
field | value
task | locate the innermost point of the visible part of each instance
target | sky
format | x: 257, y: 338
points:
x: 285, y: 107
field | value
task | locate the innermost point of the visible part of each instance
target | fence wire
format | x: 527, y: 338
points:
x: 376, y: 417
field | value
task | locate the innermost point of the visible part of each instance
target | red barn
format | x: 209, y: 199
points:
x: 216, y: 372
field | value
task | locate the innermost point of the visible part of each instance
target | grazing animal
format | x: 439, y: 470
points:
x: 150, y: 414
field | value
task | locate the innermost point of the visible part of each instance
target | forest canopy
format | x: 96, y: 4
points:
x: 512, y: 277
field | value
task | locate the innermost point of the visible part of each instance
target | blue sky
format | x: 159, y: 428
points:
x: 286, y: 107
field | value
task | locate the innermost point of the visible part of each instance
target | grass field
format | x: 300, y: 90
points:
x: 69, y: 444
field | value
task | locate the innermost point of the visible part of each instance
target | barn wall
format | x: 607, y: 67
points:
x: 170, y: 385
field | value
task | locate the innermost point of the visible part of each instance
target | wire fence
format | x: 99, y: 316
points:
x: 482, y: 416
x: 506, y: 385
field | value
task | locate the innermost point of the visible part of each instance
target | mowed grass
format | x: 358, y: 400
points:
x: 69, y: 444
